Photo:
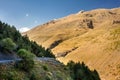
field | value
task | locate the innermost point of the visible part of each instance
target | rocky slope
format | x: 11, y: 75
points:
x: 89, y: 36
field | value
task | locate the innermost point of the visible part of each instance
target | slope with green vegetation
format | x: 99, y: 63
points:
x: 79, y: 71
x: 11, y: 41
x: 48, y: 71
x: 40, y: 71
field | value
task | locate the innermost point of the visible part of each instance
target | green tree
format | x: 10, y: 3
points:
x: 80, y: 71
x: 7, y: 44
x: 48, y: 53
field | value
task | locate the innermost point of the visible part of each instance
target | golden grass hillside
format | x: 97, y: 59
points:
x: 89, y: 36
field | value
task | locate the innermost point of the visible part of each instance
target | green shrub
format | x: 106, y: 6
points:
x: 47, y: 78
x: 33, y: 77
x: 27, y: 62
x: 24, y: 54
x: 45, y: 67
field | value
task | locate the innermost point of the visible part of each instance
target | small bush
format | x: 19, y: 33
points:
x: 47, y: 78
x: 45, y: 68
x: 33, y: 77
x: 27, y: 62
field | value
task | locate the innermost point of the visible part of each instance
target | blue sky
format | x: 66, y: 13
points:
x: 30, y: 13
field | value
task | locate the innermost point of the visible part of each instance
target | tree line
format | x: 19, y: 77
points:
x: 79, y: 71
x: 11, y: 40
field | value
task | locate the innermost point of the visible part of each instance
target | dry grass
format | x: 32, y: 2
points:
x: 99, y: 48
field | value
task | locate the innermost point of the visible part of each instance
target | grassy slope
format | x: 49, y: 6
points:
x: 99, y: 47
x: 41, y: 70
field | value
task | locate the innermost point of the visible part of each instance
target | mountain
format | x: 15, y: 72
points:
x: 89, y: 36
x: 22, y: 59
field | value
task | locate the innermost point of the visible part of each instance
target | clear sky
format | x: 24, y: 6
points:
x: 30, y: 13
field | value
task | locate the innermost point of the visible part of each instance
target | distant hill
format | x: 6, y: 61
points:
x: 89, y: 36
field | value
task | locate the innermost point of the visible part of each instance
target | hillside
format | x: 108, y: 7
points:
x: 22, y: 59
x: 11, y: 41
x: 41, y: 71
x: 89, y: 36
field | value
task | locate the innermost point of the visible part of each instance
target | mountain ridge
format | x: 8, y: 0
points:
x: 89, y: 36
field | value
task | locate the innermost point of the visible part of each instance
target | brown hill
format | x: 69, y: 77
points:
x: 89, y: 36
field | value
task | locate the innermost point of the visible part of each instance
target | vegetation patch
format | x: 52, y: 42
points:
x: 45, y: 67
x: 79, y: 71
x: 27, y: 60
x: 11, y: 41
x: 9, y: 72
